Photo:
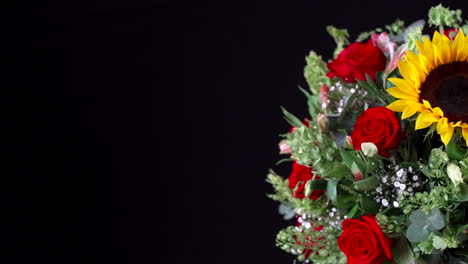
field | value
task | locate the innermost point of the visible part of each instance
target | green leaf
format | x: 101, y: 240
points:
x: 367, y: 184
x: 353, y: 210
x: 344, y: 201
x: 312, y: 185
x: 292, y: 120
x: 340, y: 171
x: 312, y: 102
x: 454, y: 151
x: 349, y: 158
x: 331, y: 189
x: 461, y: 235
x: 369, y: 205
x: 402, y: 253
x: 462, y: 195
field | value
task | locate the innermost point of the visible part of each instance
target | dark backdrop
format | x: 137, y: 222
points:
x: 142, y: 132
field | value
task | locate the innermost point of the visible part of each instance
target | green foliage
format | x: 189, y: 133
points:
x: 391, y: 225
x: 341, y: 38
x: 282, y: 193
x: 311, y: 147
x: 315, y: 72
x: 414, y: 35
x: 393, y: 29
x: 440, y: 16
x: 377, y: 89
x: 437, y: 197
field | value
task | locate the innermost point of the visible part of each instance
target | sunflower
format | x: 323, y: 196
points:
x: 435, y: 85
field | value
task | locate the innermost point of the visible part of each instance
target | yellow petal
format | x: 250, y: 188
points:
x: 445, y: 130
x: 398, y: 106
x: 411, y: 109
x: 436, y: 38
x: 425, y: 119
x: 465, y: 134
x: 404, y: 85
x: 427, y: 104
x: 404, y: 70
x: 457, y: 42
x: 429, y: 51
x: 397, y: 92
x: 437, y: 112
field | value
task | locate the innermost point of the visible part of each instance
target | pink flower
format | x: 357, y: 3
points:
x: 393, y: 64
x: 324, y: 95
x: 384, y: 43
x: 284, y: 148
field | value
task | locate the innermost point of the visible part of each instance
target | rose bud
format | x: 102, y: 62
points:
x: 284, y: 148
x: 322, y: 120
x: 369, y: 149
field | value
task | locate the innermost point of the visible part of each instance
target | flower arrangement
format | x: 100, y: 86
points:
x: 380, y: 166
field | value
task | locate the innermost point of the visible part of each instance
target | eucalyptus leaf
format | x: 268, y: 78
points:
x: 286, y: 211
x: 418, y: 217
x: 417, y: 233
x: 436, y: 219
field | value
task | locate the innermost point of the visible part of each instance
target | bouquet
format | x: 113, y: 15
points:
x: 380, y: 165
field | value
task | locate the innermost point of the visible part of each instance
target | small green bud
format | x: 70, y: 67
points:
x: 323, y: 252
x: 301, y: 257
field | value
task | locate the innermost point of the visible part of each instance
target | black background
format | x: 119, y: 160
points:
x: 142, y: 132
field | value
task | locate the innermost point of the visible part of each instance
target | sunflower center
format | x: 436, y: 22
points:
x: 447, y: 87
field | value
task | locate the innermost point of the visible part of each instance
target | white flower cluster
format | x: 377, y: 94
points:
x: 391, y: 187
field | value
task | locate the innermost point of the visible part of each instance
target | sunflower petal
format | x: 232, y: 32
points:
x: 404, y: 70
x: 445, y: 130
x: 411, y: 109
x: 404, y: 85
x: 398, y: 106
x: 438, y: 112
x: 465, y: 134
x: 428, y: 51
x: 427, y: 104
x: 424, y: 120
x: 457, y: 42
x: 397, y: 92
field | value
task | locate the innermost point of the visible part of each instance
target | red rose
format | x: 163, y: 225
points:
x: 363, y: 242
x: 380, y: 126
x: 357, y: 60
x: 448, y: 31
x: 302, y: 174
